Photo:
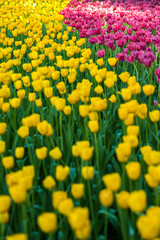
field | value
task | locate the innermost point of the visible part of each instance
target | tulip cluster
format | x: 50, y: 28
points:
x: 128, y: 26
x: 79, y: 139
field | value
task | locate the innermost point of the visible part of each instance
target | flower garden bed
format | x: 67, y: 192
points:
x: 79, y: 120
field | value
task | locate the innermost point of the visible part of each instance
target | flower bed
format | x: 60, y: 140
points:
x: 79, y: 127
x: 128, y: 28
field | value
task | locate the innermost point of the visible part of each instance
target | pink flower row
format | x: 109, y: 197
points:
x: 132, y: 26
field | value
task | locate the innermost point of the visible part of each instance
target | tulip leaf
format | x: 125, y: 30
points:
x: 131, y: 230
x: 35, y: 236
x: 157, y: 139
x: 101, y: 237
x: 116, y: 165
x: 109, y: 156
x: 111, y: 216
x: 73, y: 173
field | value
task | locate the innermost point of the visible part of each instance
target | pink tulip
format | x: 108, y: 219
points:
x: 100, y: 53
x: 155, y: 102
x: 127, y: 24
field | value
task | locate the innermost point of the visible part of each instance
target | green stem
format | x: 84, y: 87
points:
x: 91, y: 207
x: 14, y: 118
x: 133, y: 155
x: 52, y: 142
x: 146, y: 133
x: 61, y: 133
x: 97, y: 155
x: 150, y: 74
x: 137, y: 75
x: 2, y: 228
x: 117, y: 94
x: 42, y: 115
x: 150, y: 102
x: 122, y: 222
x: 157, y: 196
x: 61, y: 223
x: 41, y: 108
x: 32, y: 107
x: 156, y: 128
x: 29, y: 151
x: 73, y: 110
x: 50, y: 237
x: 100, y: 124
x: 44, y: 168
x: 139, y: 135
x: 24, y: 217
x: 56, y: 124
x: 133, y: 222
x: 123, y: 176
x: 159, y: 92
x: 31, y: 205
x: 106, y: 224
x: 86, y: 129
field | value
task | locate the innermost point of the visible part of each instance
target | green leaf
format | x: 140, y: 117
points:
x: 101, y: 237
x: 116, y: 165
x: 111, y: 216
x: 35, y: 236
x: 131, y: 230
x: 153, y: 134
x: 73, y: 173
x: 109, y: 156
